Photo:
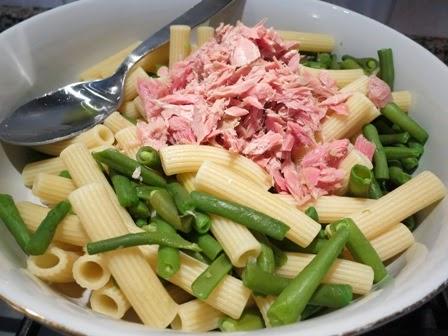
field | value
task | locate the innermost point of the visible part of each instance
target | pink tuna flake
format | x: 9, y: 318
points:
x: 365, y: 146
x: 378, y: 92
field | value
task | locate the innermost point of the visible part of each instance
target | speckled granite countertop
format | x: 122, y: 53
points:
x: 9, y: 16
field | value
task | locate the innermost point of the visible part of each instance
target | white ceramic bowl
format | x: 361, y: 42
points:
x: 52, y: 48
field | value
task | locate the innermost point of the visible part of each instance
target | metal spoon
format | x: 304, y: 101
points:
x: 68, y: 111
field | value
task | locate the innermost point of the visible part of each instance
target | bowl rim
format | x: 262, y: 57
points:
x: 398, y: 312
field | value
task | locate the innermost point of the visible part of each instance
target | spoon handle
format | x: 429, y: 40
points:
x: 193, y: 17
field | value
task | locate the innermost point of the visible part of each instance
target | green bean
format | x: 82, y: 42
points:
x: 266, y: 259
x: 148, y: 157
x: 287, y: 245
x: 324, y: 59
x: 144, y: 192
x: 387, y: 72
x: 391, y: 139
x: 313, y: 64
x: 417, y: 146
x: 199, y: 256
x: 312, y: 213
x: 291, y: 302
x: 182, y: 198
x: 382, y: 126
x: 124, y: 189
x: 360, y: 181
x: 280, y: 257
x: 380, y: 168
x: 168, y: 259
x: 44, y: 234
x: 202, y: 222
x: 360, y: 247
x: 163, y: 204
x: 315, y: 246
x: 141, y: 222
x: 394, y: 163
x: 249, y: 320
x: 375, y: 191
x: 350, y: 64
x: 332, y: 295
x: 209, y: 246
x: 397, y: 153
x: 140, y: 210
x: 369, y: 64
x: 13, y: 221
x: 253, y: 219
x: 410, y: 223
x: 310, y: 310
x: 128, y: 167
x: 262, y: 282
x: 396, y: 128
x: 65, y: 173
x: 152, y: 235
x: 398, y: 176
x: 392, y: 112
x: 409, y: 164
x: 334, y: 65
x: 207, y: 281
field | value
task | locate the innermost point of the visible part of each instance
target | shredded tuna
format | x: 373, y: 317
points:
x: 365, y: 146
x: 378, y: 91
x: 245, y: 91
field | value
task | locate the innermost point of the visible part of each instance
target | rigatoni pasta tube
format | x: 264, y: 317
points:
x: 361, y: 111
x: 353, y: 158
x: 264, y: 303
x: 129, y: 110
x: 55, y: 265
x: 314, y: 42
x: 204, y: 34
x: 50, y: 166
x: 179, y: 43
x: 188, y: 158
x: 69, y: 230
x: 94, y: 137
x: 196, y: 316
x: 52, y: 189
x: 139, y: 106
x: 360, y: 85
x: 128, y: 142
x: 378, y: 217
x: 130, y: 270
x: 342, y: 77
x: 237, y: 241
x: 187, y: 180
x: 227, y: 184
x: 116, y: 122
x: 109, y: 301
x: 90, y: 271
x: 393, y: 242
x: 357, y: 275
x: 403, y: 99
x: 130, y: 85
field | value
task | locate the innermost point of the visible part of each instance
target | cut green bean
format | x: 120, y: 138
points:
x: 130, y: 168
x: 332, y: 296
x: 314, y: 64
x: 398, y: 176
x: 125, y: 190
x: 368, y: 64
x: 410, y: 222
x: 202, y: 222
x: 394, y: 163
x: 380, y: 169
x: 392, y: 139
x: 350, y: 64
x: 291, y: 302
x: 398, y: 153
x: 360, y: 247
x: 280, y: 257
x: 417, y: 146
x: 324, y: 59
x: 140, y: 210
x: 207, y: 281
x: 168, y: 259
x: 209, y: 246
x: 249, y: 320
x: 44, y: 234
x: 315, y: 246
x: 310, y: 311
x: 392, y: 112
x: 182, y: 198
x: 266, y: 259
x: 410, y: 164
x: 148, y: 157
x: 387, y: 71
x: 312, y: 213
x: 13, y: 221
x: 360, y: 181
x: 144, y: 192
x: 375, y: 191
x: 253, y: 219
x: 262, y: 282
x: 65, y: 173
x: 199, y: 256
x: 382, y: 126
x: 163, y: 204
x: 151, y: 236
x: 334, y: 65
x: 141, y: 222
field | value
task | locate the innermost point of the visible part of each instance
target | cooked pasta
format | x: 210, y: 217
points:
x: 110, y: 301
x: 403, y: 99
x: 196, y: 316
x: 127, y: 141
x: 132, y: 273
x: 179, y: 43
x: 236, y: 240
x: 361, y: 111
x: 353, y: 158
x: 129, y: 110
x: 313, y: 42
x: 178, y: 294
x: 139, y: 107
x: 90, y: 271
x: 393, y: 242
x: 204, y: 34
x: 130, y: 85
x: 342, y: 77
x: 264, y: 303
x: 116, y: 122
x: 49, y: 166
x: 357, y: 275
x: 188, y: 158
x: 187, y: 180
x: 52, y: 189
x: 359, y: 85
x: 94, y: 137
x: 227, y: 184
x: 55, y: 265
